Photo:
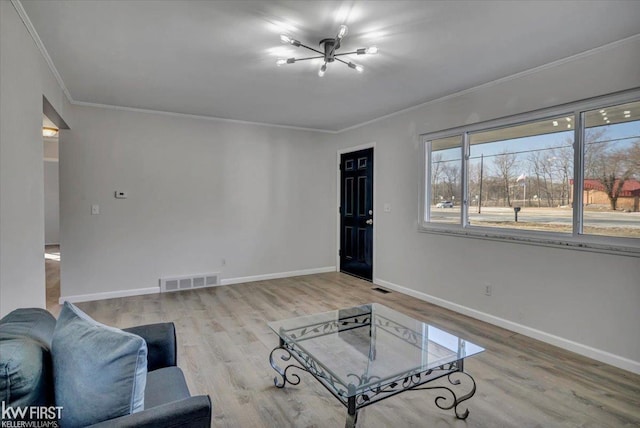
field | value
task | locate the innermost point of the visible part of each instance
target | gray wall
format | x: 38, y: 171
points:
x: 199, y: 191
x: 51, y: 203
x: 25, y: 78
x: 582, y: 301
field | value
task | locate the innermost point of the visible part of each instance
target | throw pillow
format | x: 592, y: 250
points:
x: 100, y: 372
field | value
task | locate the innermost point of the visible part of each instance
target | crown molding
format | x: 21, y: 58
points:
x: 38, y: 41
x: 196, y: 116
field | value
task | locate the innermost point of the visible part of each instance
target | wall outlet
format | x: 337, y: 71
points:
x: 121, y: 194
x: 487, y: 290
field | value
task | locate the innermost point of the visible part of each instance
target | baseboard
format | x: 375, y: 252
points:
x: 228, y: 281
x: 578, y: 348
x: 240, y: 280
x: 108, y: 295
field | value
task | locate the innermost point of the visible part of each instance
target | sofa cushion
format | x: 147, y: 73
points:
x: 164, y: 386
x: 34, y: 323
x: 25, y: 373
x: 100, y: 371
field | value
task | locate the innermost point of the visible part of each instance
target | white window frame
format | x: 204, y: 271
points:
x: 576, y: 239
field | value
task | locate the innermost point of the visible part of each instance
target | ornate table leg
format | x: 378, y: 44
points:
x: 352, y: 410
x: 441, y: 400
x: 352, y: 413
x: 351, y: 420
x: 291, y: 378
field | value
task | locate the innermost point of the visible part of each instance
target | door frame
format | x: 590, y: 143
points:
x: 340, y: 152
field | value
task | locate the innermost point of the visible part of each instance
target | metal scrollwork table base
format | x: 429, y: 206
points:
x: 433, y: 359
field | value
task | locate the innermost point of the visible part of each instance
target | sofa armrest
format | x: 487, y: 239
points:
x: 194, y: 412
x: 161, y: 344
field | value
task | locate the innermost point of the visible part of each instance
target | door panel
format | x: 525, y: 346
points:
x: 356, y: 213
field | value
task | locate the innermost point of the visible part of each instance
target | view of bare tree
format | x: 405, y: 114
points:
x: 504, y: 166
x: 562, y: 163
x: 612, y: 165
x: 436, y: 171
x: 451, y: 172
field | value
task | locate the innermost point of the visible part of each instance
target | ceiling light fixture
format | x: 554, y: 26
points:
x: 329, y: 55
x: 49, y: 132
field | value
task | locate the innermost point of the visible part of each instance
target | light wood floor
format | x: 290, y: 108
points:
x: 224, y: 346
x: 52, y: 269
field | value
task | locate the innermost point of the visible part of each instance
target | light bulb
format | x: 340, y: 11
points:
x: 343, y: 31
x: 281, y: 61
x: 372, y: 50
x: 322, y: 70
x: 356, y: 67
x: 286, y: 39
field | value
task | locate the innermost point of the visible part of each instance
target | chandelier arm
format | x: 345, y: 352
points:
x: 346, y: 53
x: 312, y: 49
x: 344, y: 62
x: 309, y: 57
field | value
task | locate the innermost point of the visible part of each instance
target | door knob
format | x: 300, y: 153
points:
x: 370, y: 221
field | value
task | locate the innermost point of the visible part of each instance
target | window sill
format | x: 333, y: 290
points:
x: 628, y: 247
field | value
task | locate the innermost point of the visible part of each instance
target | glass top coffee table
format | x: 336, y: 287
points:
x: 368, y: 353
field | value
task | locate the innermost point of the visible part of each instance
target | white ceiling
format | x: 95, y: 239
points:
x: 217, y: 58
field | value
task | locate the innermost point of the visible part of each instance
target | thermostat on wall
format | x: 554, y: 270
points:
x: 121, y: 194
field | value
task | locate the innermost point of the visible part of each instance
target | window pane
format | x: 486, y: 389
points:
x: 527, y: 167
x: 444, y: 172
x: 612, y: 171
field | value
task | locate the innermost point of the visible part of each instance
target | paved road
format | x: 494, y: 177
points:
x: 560, y: 216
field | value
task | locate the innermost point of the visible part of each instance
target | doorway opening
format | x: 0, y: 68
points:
x: 51, y: 121
x: 51, y: 217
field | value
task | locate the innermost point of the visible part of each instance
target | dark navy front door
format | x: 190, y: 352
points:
x: 356, y: 213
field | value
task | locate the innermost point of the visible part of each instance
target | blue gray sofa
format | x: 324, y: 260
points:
x: 27, y: 377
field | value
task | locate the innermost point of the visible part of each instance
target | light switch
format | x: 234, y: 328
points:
x: 95, y: 209
x: 121, y: 194
x: 387, y: 208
